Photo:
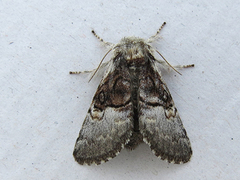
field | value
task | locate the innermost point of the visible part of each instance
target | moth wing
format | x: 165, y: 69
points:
x: 108, y: 124
x: 159, y: 121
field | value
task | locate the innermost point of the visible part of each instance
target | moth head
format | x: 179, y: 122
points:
x: 132, y: 48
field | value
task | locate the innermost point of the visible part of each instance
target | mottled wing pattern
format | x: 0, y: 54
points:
x: 109, y: 123
x: 159, y: 121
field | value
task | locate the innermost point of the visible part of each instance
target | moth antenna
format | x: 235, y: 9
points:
x: 99, y: 65
x: 100, y: 39
x: 152, y: 38
x: 168, y: 62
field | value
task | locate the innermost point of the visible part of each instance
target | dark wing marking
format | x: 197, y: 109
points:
x: 159, y: 121
x: 108, y: 124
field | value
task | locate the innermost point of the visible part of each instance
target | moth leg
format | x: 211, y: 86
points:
x: 103, y: 65
x: 100, y: 39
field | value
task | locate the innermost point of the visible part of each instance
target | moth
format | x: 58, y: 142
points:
x: 132, y: 104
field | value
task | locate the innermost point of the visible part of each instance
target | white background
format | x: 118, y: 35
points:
x: 42, y: 107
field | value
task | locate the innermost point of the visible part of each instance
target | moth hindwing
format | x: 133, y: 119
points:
x: 132, y: 104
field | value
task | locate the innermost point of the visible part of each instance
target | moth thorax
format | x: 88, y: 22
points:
x: 132, y: 48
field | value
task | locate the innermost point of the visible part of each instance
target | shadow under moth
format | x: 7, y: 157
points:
x: 132, y: 104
